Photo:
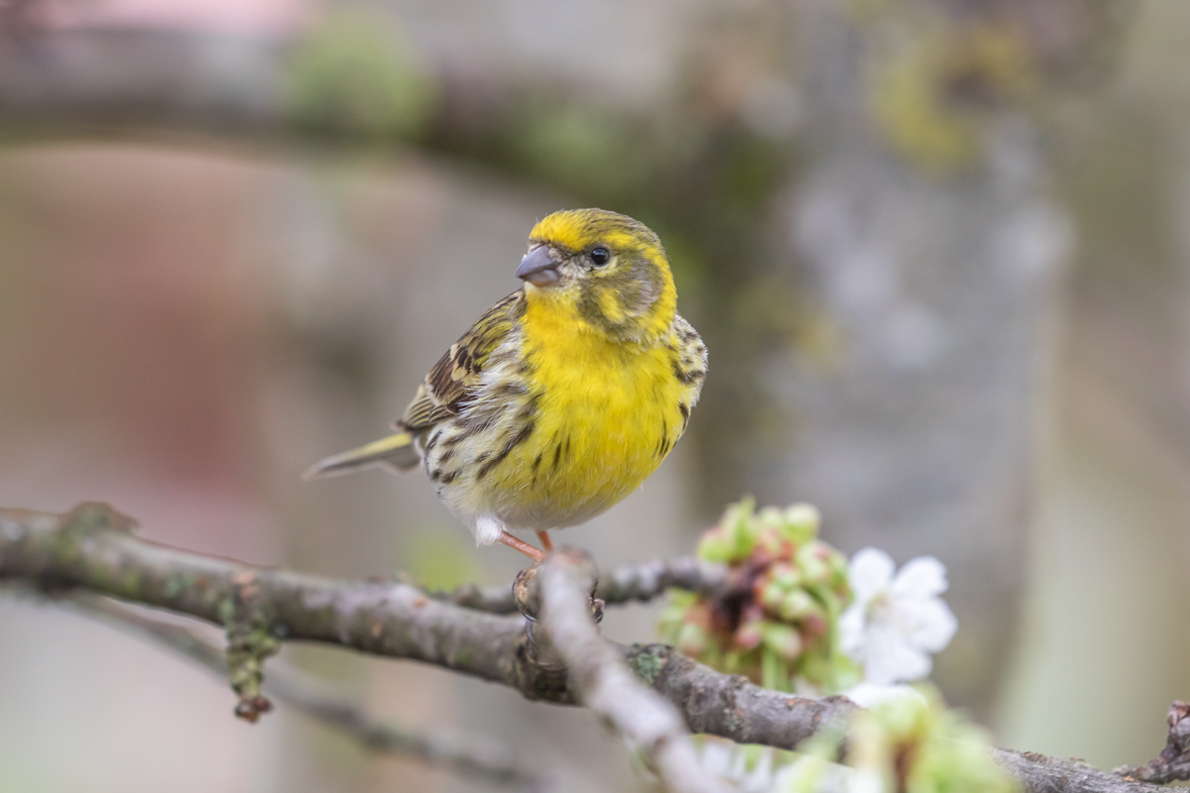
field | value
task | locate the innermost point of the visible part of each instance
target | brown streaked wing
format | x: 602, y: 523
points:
x: 457, y: 372
x: 690, y: 362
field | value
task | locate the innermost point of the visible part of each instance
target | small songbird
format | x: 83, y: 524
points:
x: 564, y: 396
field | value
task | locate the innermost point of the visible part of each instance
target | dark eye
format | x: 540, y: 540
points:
x: 600, y: 256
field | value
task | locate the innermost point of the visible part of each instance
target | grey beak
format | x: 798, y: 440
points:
x: 539, y: 267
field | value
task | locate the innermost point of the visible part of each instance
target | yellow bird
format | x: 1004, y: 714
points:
x: 564, y: 396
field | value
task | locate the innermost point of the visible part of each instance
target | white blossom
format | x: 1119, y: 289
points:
x: 869, y: 695
x: 728, y: 763
x: 812, y: 774
x: 895, y: 623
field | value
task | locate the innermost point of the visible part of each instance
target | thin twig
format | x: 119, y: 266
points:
x: 472, y: 755
x: 92, y: 548
x: 646, y: 721
x: 637, y: 583
x: 644, y: 582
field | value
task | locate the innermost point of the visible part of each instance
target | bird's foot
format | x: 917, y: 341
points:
x: 547, y: 544
x: 526, y: 589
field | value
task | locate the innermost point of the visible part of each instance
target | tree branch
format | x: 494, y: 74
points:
x: 1173, y: 764
x: 471, y: 756
x: 638, y: 583
x: 155, y: 79
x: 93, y: 548
x: 110, y: 80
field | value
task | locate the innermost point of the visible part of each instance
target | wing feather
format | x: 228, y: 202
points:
x: 453, y: 379
x: 690, y: 362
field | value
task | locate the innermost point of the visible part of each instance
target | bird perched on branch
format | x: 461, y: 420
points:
x: 563, y: 397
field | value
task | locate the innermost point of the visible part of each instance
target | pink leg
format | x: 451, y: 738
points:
x: 522, y: 546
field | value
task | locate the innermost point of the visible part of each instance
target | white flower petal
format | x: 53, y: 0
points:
x: 806, y: 773
x: 870, y: 573
x: 737, y: 767
x: 728, y: 763
x: 851, y: 632
x: 927, y: 624
x: 869, y: 695
x: 894, y: 624
x: 802, y: 774
x: 715, y: 759
x: 865, y: 780
x: 759, y: 779
x: 889, y: 658
x: 811, y: 774
x: 922, y: 577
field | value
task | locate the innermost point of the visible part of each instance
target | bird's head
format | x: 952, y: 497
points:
x: 606, y: 268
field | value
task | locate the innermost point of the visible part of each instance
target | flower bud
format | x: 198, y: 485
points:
x: 801, y: 522
x: 786, y: 575
x: 783, y: 640
x: 692, y: 639
x: 915, y: 743
x: 751, y: 632
x: 773, y: 544
x: 814, y: 624
x: 772, y: 595
x: 797, y: 605
x: 816, y: 669
x: 785, y: 589
x: 813, y: 566
x: 716, y: 547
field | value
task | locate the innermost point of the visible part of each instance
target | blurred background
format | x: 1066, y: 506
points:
x: 938, y: 250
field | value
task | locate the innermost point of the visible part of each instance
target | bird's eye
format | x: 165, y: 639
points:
x: 600, y: 256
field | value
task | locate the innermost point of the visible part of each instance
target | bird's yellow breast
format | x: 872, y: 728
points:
x: 606, y: 417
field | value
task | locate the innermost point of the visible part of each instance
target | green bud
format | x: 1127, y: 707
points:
x: 774, y: 671
x: 838, y: 580
x: 785, y: 575
x: 816, y: 669
x: 773, y: 544
x: 814, y: 624
x: 771, y: 595
x: 813, y: 566
x: 769, y: 518
x: 831, y: 607
x: 692, y: 639
x: 715, y: 546
x: 738, y: 521
x: 836, y: 560
x: 738, y: 516
x: 749, y: 635
x: 792, y: 589
x: 801, y: 522
x: 745, y: 543
x: 917, y: 744
x: 783, y: 640
x: 796, y: 606
x: 808, y: 773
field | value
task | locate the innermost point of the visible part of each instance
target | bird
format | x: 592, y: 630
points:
x: 563, y: 397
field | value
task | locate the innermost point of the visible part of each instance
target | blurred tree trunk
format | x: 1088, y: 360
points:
x: 920, y: 255
x: 1115, y: 516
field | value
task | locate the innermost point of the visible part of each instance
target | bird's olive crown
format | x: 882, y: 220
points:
x: 614, y: 267
x: 595, y: 235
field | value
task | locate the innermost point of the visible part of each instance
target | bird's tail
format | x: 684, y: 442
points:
x: 396, y: 451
